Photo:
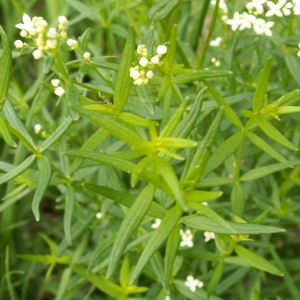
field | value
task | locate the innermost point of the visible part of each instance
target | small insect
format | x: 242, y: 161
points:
x: 104, y: 100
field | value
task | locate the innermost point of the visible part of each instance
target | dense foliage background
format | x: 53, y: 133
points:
x: 109, y: 178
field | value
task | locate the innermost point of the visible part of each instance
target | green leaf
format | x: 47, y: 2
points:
x: 175, y: 143
x: 126, y: 199
x: 56, y: 134
x: 44, y: 166
x: 215, y: 278
x: 17, y: 170
x: 72, y: 96
x: 162, y: 9
x: 228, y: 111
x: 274, y: 133
x: 117, y: 129
x: 174, y: 121
x: 63, y: 284
x: 260, y: 172
x: 124, y: 82
x: 199, y: 75
x: 133, y: 119
x: 97, y: 138
x: 207, y: 224
x: 224, y: 151
x: 260, y: 143
x: 282, y: 110
x: 203, y: 153
x: 168, y: 174
x: 18, y: 127
x: 201, y: 196
x: 157, y: 239
x: 132, y: 220
x: 171, y: 250
x: 140, y: 166
x: 100, y: 282
x: 256, y: 261
x: 6, y: 134
x: 261, y: 87
x: 237, y: 200
x: 292, y: 62
x: 68, y: 213
x: 188, y: 123
x: 5, y: 68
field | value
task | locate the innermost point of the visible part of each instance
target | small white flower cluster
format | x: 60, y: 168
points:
x: 73, y: 44
x: 43, y: 38
x: 279, y: 9
x: 99, y: 215
x: 186, y: 238
x: 298, y: 54
x: 156, y: 223
x: 192, y: 283
x: 216, y: 62
x: 58, y: 91
x: 245, y: 20
x: 142, y: 72
x: 208, y: 236
x: 216, y: 42
x: 222, y: 6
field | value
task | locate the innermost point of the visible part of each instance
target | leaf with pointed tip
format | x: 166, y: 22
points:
x: 68, y: 213
x: 72, y: 96
x: 256, y: 261
x: 4, y: 132
x: 45, y: 173
x: 132, y: 220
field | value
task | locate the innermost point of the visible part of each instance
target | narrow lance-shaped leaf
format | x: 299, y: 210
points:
x: 171, y: 250
x: 260, y: 143
x: 157, y: 239
x: 44, y: 166
x: 132, y: 220
x: 124, y: 82
x: 56, y: 134
x: 72, y: 96
x: 237, y: 200
x: 261, y: 87
x: 274, y: 133
x: 15, y: 122
x: 202, y: 155
x: 256, y: 261
x: 17, y: 170
x: 215, y: 278
x: 5, y: 67
x: 68, y: 212
x: 228, y: 111
x: 114, y: 127
x: 4, y: 132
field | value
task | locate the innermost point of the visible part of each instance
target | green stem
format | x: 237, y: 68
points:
x: 210, y: 33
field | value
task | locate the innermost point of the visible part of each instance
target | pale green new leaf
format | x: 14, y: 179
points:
x: 261, y: 87
x: 274, y: 133
x: 4, y: 132
x: 157, y: 239
x: 256, y: 261
x: 5, y: 67
x: 132, y: 220
x: 45, y: 173
x: 260, y: 143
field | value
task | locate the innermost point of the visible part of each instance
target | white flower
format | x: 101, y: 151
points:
x: 19, y: 44
x: 193, y: 283
x: 143, y: 62
x: 263, y: 27
x: 155, y: 60
x: 186, y: 238
x: 37, y: 54
x: 55, y: 82
x: 59, y: 91
x: 37, y: 128
x: 99, y: 215
x: 208, y: 236
x: 161, y: 49
x: 63, y: 34
x: 216, y: 42
x: 236, y: 22
x: 87, y: 55
x: 149, y: 74
x: 256, y: 6
x: 72, y: 43
x: 62, y: 20
x: 27, y: 23
x: 274, y: 9
x: 156, y: 223
x: 51, y: 44
x: 52, y: 33
x: 135, y: 74
x: 138, y: 81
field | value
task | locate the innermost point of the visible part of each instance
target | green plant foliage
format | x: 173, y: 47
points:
x: 149, y: 149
